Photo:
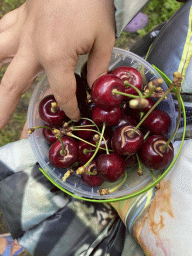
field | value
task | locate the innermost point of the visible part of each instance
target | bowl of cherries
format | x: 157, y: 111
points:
x: 123, y: 140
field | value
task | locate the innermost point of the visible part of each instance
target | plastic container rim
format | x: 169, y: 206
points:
x: 168, y: 81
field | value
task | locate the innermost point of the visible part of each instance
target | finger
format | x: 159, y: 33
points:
x: 16, y: 80
x: 63, y: 83
x: 8, y: 20
x: 99, y: 58
x: 9, y: 43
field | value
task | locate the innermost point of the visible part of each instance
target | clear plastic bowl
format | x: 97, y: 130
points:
x: 74, y: 184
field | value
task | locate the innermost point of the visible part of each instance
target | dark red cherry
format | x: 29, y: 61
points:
x: 70, y: 156
x: 126, y: 120
x: 152, y: 154
x: 102, y: 91
x: 85, y: 151
x: 92, y: 180
x: 134, y: 113
x: 130, y: 160
x: 81, y: 94
x: 158, y: 122
x: 49, y: 136
x: 124, y: 142
x: 111, y: 167
x: 110, y: 117
x: 131, y: 75
x: 53, y: 117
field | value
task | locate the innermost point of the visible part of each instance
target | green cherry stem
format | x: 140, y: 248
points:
x: 140, y: 169
x: 126, y: 83
x: 83, y: 126
x: 154, y: 179
x: 98, y: 146
x: 119, y: 185
x: 154, y: 106
x: 85, y: 118
x: 32, y: 129
x: 152, y: 175
x: 178, y: 119
x: 115, y: 91
x: 78, y: 138
x: 106, y: 191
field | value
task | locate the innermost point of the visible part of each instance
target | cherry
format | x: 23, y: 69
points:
x: 134, y: 113
x: 102, y: 91
x: 52, y: 115
x: 153, y: 155
x: 158, y: 122
x: 92, y: 180
x: 125, y: 119
x: 124, y: 142
x: 130, y: 160
x: 49, y: 136
x: 85, y: 151
x: 130, y: 75
x: 63, y: 159
x: 110, y: 166
x: 110, y: 117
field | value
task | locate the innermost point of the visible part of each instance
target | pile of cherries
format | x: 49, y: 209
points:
x: 120, y: 126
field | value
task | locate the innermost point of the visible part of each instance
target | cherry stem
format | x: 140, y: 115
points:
x: 140, y: 170
x: 83, y: 126
x: 76, y: 137
x: 119, y: 185
x: 84, y: 118
x: 152, y: 175
x: 98, y: 146
x: 54, y: 107
x: 178, y: 119
x: 115, y: 91
x: 62, y: 152
x: 146, y: 135
x: 91, y: 173
x: 154, y: 106
x: 86, y: 151
x: 151, y: 91
x: 31, y: 130
x: 126, y: 83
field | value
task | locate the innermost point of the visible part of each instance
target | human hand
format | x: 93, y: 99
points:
x: 51, y: 35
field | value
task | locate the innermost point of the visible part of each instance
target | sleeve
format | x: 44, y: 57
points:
x: 126, y: 11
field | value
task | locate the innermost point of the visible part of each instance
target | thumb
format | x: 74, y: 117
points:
x: 99, y: 58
